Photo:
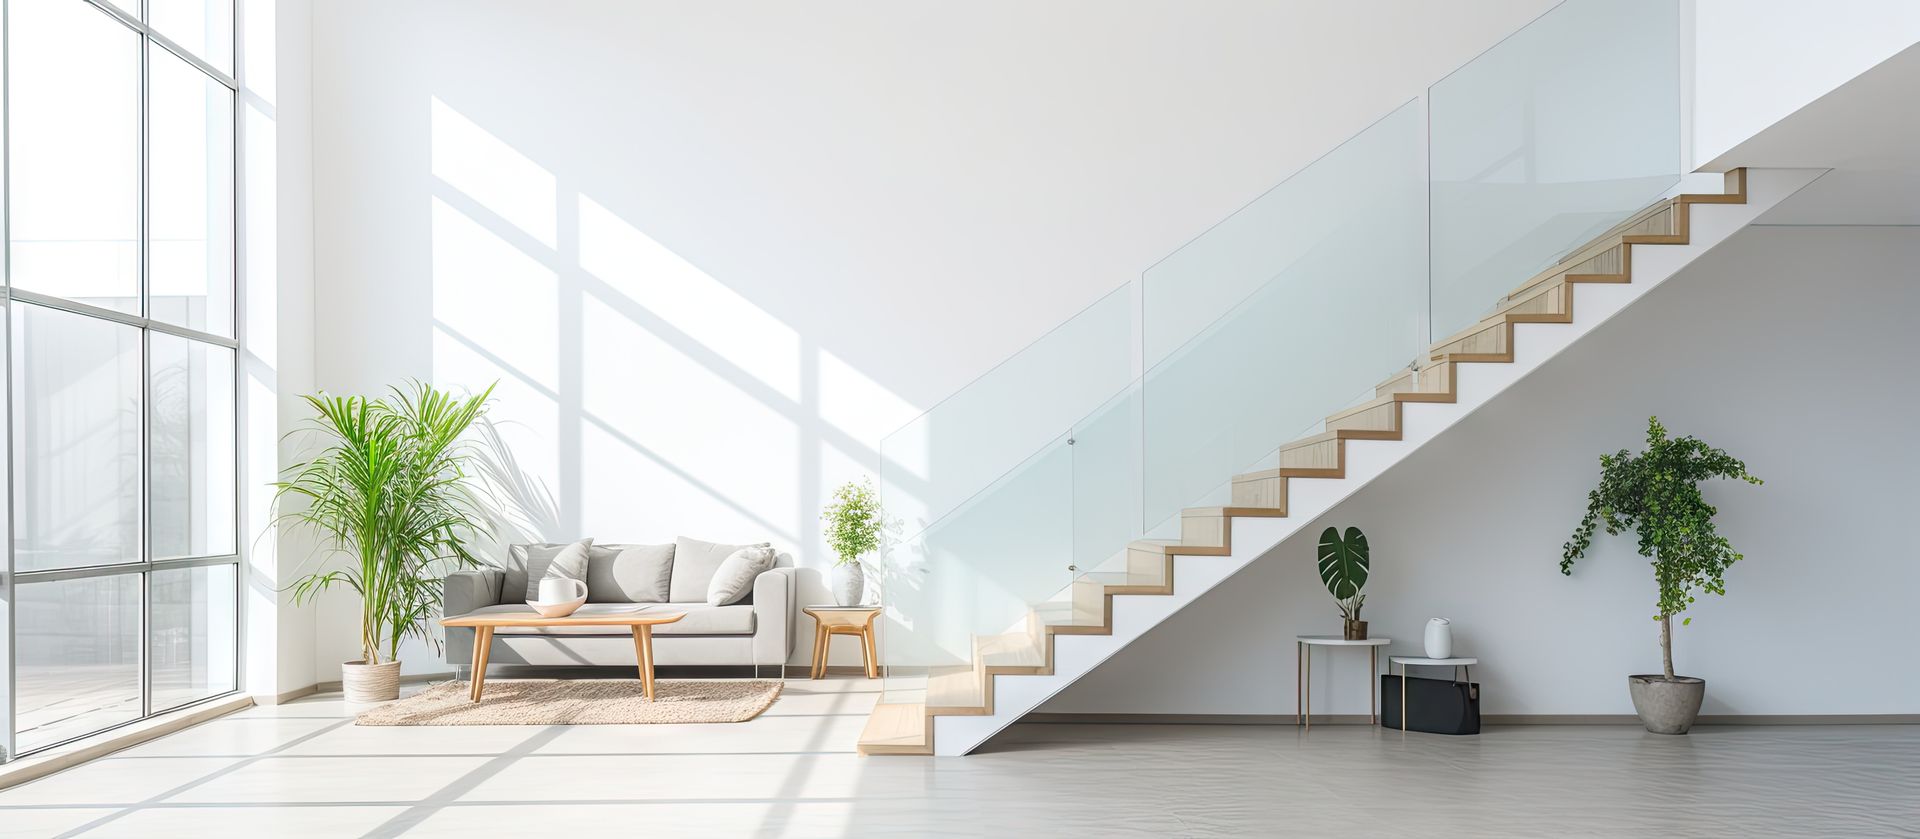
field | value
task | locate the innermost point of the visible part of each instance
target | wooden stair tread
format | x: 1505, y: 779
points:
x: 1244, y: 512
x: 1376, y: 402
x: 896, y: 729
x: 1176, y: 548
x: 1013, y: 649
x: 1310, y: 440
x: 956, y: 690
x: 1069, y: 614
x: 1109, y: 580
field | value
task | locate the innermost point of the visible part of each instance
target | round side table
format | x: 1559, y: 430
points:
x: 1460, y: 663
x: 1303, y: 673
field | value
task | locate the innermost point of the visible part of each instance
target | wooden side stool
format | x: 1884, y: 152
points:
x: 829, y: 621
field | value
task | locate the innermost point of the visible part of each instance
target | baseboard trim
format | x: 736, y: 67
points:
x: 1487, y: 719
x: 79, y: 752
x: 288, y: 696
x: 805, y: 671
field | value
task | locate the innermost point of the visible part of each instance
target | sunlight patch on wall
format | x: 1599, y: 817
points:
x: 472, y: 160
x: 526, y: 414
x: 856, y: 404
x: 736, y: 449
x: 496, y: 296
x: 633, y: 497
x: 677, y: 292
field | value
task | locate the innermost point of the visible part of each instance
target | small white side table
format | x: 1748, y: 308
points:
x: 1303, y: 673
x: 1462, y: 663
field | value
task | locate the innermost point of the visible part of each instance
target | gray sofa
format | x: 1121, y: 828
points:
x: 756, y: 631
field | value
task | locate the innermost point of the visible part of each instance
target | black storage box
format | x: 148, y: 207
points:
x: 1440, y: 706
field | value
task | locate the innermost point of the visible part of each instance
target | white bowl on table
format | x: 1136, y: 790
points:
x: 557, y: 609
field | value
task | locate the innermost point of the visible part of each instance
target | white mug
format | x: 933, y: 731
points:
x: 561, y: 589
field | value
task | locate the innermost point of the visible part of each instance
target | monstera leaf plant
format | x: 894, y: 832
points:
x: 1343, y: 567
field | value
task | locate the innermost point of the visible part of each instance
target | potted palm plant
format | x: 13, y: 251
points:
x: 854, y: 522
x: 388, y: 492
x: 1656, y: 494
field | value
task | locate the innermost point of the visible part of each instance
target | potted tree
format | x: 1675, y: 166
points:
x: 854, y: 522
x: 388, y: 490
x: 1656, y: 494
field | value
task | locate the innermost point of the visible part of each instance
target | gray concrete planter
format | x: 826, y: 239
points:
x: 1667, y: 707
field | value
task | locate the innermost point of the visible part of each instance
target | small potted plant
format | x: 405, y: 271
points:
x: 1343, y: 567
x: 1656, y: 494
x: 853, y: 530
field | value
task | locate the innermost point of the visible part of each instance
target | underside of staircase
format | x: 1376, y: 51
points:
x: 1020, y: 669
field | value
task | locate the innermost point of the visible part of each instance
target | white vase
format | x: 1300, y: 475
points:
x: 849, y: 583
x: 1439, y: 638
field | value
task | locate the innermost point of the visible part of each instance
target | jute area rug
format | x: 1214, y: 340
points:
x: 579, y: 702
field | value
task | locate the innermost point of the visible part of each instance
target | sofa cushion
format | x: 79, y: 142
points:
x: 528, y: 564
x: 694, y: 563
x: 701, y: 619
x: 629, y: 573
x: 734, y: 580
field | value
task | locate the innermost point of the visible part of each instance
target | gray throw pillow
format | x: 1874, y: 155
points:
x: 629, y: 573
x: 694, y: 563
x: 734, y: 579
x: 535, y: 562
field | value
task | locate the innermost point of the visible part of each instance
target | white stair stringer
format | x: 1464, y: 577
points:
x: 1308, y: 499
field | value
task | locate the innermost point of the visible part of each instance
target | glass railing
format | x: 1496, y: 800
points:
x: 1041, y: 472
x: 977, y: 573
x: 1544, y: 141
x: 932, y: 465
x: 1317, y: 291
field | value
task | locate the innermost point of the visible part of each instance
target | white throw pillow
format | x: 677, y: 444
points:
x: 694, y: 564
x: 543, y: 561
x: 734, y: 579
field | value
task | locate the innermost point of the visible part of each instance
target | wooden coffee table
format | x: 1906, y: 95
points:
x: 642, y: 624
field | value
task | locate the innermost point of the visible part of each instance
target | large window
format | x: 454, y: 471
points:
x: 121, y: 586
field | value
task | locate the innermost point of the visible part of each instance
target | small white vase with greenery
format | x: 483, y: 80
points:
x: 388, y: 491
x: 853, y: 530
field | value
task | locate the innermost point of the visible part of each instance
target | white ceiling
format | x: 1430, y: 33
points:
x: 1867, y: 131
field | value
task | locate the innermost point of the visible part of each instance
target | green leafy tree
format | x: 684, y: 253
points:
x: 1656, y: 493
x: 389, y: 490
x: 854, y: 521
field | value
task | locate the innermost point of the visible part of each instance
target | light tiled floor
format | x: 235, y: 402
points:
x: 303, y: 769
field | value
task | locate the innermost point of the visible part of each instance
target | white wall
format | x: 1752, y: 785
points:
x: 1789, y: 347
x: 714, y: 252
x: 276, y: 325
x: 1756, y: 61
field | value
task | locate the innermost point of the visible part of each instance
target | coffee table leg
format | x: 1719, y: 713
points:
x: 646, y: 659
x: 1373, y: 686
x: 820, y: 642
x: 482, y: 642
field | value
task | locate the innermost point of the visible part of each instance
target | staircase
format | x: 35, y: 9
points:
x: 1101, y: 611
